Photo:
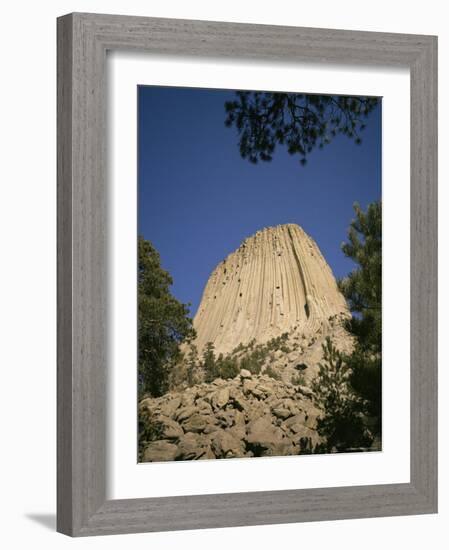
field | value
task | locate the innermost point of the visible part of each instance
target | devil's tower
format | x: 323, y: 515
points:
x: 268, y: 308
x: 277, y: 281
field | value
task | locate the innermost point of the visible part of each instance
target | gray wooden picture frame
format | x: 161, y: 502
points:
x: 83, y: 40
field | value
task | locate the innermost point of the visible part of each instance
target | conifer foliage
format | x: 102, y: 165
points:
x: 348, y: 388
x: 362, y: 289
x: 342, y: 424
x: 163, y: 322
x: 301, y: 122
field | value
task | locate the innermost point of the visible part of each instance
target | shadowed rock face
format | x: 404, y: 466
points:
x: 277, y: 281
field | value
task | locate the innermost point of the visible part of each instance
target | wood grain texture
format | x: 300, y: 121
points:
x: 83, y: 40
x: 423, y: 276
x: 64, y: 277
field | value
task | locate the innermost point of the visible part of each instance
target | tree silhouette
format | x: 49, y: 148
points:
x: 348, y: 388
x: 362, y: 289
x: 163, y: 322
x: 341, y: 425
x: 301, y: 122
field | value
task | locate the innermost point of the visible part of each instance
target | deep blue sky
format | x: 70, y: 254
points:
x: 198, y: 199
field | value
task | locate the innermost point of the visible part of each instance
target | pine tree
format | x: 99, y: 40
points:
x: 192, y: 365
x: 227, y: 366
x: 363, y: 290
x: 163, y: 322
x: 341, y: 423
x: 301, y: 122
x: 209, y: 362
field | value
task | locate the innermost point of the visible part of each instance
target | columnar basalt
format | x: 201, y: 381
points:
x: 277, y: 281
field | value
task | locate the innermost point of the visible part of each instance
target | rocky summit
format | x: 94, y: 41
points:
x: 275, y: 282
x: 265, y: 313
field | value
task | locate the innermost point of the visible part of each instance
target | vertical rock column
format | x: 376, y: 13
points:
x: 276, y: 281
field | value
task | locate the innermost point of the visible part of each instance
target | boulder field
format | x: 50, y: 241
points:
x: 247, y: 416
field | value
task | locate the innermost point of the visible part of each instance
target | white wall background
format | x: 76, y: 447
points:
x: 27, y: 289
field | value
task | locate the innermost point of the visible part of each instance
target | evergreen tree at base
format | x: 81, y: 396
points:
x: 342, y: 424
x: 163, y: 322
x: 363, y: 290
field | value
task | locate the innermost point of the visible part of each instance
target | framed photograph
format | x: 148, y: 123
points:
x: 247, y: 274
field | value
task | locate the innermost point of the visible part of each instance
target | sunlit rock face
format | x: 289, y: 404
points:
x: 277, y: 281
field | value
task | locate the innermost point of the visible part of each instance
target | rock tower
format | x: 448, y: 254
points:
x: 277, y: 281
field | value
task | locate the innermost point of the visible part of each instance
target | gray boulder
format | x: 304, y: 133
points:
x: 170, y: 428
x: 169, y: 408
x: 226, y: 445
x: 262, y: 433
x: 191, y: 446
x: 184, y: 413
x: 195, y: 423
x: 245, y: 374
x: 220, y: 398
x: 160, y: 451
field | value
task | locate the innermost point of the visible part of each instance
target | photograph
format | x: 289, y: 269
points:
x: 221, y: 254
x: 259, y: 274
